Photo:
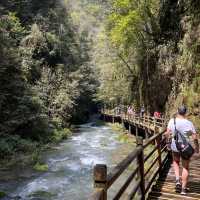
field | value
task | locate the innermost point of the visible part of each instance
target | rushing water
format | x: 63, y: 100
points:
x: 70, y: 166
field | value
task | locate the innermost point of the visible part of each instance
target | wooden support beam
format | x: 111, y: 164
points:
x: 158, y: 143
x: 146, y: 133
x: 139, y: 141
x: 100, y: 179
x: 136, y: 131
x: 154, y: 124
x: 129, y: 128
x: 123, y: 123
x: 113, y: 119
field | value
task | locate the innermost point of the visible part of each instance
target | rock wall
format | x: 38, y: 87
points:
x: 175, y: 76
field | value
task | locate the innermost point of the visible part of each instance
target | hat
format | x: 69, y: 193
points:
x: 182, y: 110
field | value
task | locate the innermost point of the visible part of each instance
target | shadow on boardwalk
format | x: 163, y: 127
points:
x: 164, y: 189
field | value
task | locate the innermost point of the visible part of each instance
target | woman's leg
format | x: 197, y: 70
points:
x: 176, y: 161
x: 185, y: 172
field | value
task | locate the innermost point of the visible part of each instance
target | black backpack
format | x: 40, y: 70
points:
x: 183, y: 146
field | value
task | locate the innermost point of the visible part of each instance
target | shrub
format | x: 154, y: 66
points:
x: 5, y: 148
x: 41, y: 167
x: 14, y: 143
x: 60, y: 134
x: 2, y: 194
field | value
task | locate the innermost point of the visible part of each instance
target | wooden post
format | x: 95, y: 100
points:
x: 158, y: 143
x: 113, y: 119
x: 141, y: 168
x: 123, y: 123
x: 131, y: 120
x: 146, y: 133
x: 100, y: 179
x: 163, y: 123
x: 154, y: 124
x: 136, y: 130
x: 129, y: 128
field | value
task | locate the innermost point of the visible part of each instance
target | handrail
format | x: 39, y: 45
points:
x: 151, y: 139
x: 126, y: 184
x: 104, y: 181
x: 145, y: 120
x: 119, y: 169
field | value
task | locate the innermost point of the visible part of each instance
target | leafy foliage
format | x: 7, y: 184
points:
x: 131, y: 30
x: 45, y: 78
x: 149, y: 47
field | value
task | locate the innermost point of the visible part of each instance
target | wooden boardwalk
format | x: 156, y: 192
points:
x: 147, y: 123
x: 154, y: 168
x: 164, y: 186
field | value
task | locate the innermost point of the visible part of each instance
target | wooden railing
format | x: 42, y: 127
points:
x: 147, y: 171
x: 145, y: 120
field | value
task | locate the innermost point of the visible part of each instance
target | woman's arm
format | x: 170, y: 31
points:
x: 196, y: 142
x: 168, y: 133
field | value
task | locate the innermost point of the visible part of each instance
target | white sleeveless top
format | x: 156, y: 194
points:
x: 184, y: 126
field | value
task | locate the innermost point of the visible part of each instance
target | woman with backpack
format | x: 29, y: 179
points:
x: 179, y: 129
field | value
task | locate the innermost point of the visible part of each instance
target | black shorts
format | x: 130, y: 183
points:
x: 177, y: 155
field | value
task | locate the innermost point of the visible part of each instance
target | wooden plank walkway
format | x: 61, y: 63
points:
x: 164, y: 187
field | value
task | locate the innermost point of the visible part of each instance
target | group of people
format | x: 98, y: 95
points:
x: 131, y: 111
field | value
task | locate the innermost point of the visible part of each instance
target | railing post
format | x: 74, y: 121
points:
x: 163, y: 123
x: 149, y: 122
x: 100, y: 179
x: 158, y: 143
x: 154, y: 124
x: 136, y: 130
x: 129, y: 128
x: 104, y: 117
x: 141, y: 167
x: 113, y: 119
x: 146, y: 133
x: 132, y: 118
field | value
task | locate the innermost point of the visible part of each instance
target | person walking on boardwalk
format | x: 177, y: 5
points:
x: 185, y: 128
x: 142, y: 111
x: 130, y: 111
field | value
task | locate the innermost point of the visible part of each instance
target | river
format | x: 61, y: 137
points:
x: 70, y: 166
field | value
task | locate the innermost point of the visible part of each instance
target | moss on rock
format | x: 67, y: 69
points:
x: 2, y: 194
x: 41, y: 167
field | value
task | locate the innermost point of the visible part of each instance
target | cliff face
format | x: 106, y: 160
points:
x: 174, y: 63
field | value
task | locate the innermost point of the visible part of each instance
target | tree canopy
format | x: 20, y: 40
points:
x: 46, y: 81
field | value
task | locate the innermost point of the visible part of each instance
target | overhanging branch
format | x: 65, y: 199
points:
x: 126, y: 64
